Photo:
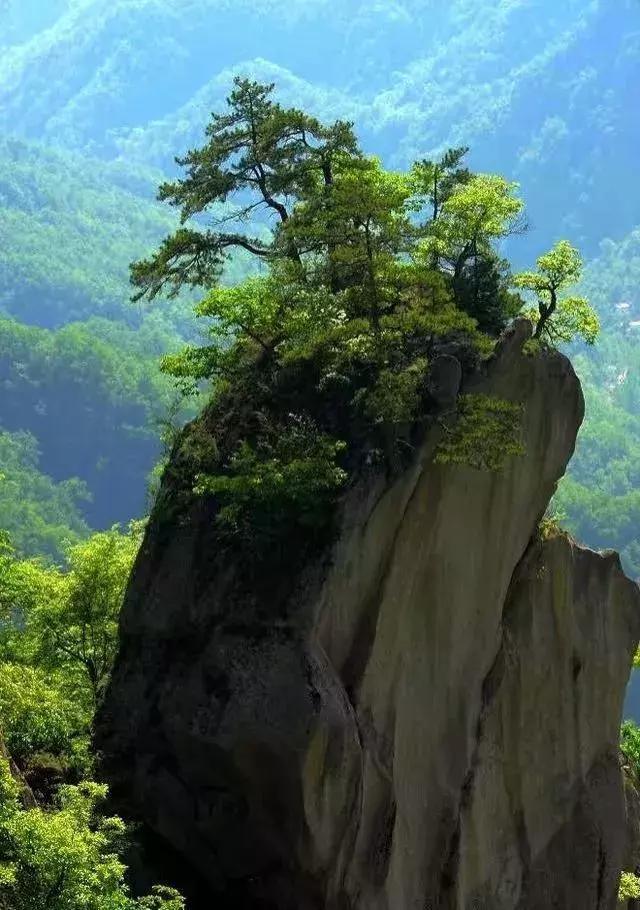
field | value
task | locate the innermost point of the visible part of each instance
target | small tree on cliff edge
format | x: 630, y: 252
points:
x: 559, y: 318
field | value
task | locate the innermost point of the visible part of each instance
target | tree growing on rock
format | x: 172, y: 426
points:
x: 327, y: 217
x: 558, y: 317
x: 479, y: 211
x: 259, y: 159
x: 320, y: 361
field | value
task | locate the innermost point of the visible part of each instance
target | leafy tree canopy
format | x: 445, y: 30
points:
x: 58, y: 851
x: 64, y: 621
x: 325, y: 353
x: 65, y: 857
x: 559, y: 318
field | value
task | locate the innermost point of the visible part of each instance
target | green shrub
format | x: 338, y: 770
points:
x: 34, y: 715
x: 484, y: 433
x: 289, y: 479
x: 630, y: 746
x: 629, y: 887
x: 66, y: 857
x: 551, y: 525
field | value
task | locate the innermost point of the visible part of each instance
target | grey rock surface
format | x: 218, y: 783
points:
x: 426, y: 720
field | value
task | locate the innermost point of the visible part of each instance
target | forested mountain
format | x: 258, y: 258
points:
x: 96, y: 97
x: 548, y: 97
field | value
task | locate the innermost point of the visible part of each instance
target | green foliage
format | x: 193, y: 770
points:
x: 395, y: 398
x: 53, y: 640
x: 257, y: 148
x: 559, y: 318
x: 64, y: 621
x: 436, y: 181
x: 58, y: 634
x: 629, y: 889
x: 118, y: 86
x: 484, y: 433
x: 42, y: 516
x: 161, y: 898
x: 85, y: 83
x: 79, y: 632
x: 65, y: 858
x: 574, y: 318
x: 482, y: 209
x: 481, y: 290
x: 630, y: 746
x: 477, y: 211
x: 551, y: 524
x: 57, y: 641
x: 342, y: 222
x: 55, y: 860
x: 35, y: 714
x: 288, y: 482
x: 360, y: 287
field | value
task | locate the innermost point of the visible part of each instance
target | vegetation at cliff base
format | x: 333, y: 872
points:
x: 65, y: 857
x: 58, y: 635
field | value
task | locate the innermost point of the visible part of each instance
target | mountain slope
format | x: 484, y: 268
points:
x: 549, y: 94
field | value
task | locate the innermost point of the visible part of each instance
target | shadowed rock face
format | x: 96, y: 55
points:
x: 428, y: 720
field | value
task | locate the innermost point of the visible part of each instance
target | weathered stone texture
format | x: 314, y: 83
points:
x: 429, y: 720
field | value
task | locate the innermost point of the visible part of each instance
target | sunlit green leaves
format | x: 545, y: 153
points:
x: 485, y: 207
x: 57, y: 641
x: 559, y: 268
x: 574, y: 318
x: 629, y: 888
x: 161, y: 898
x: 65, y: 857
x: 484, y: 433
x: 78, y: 631
x: 64, y: 621
x: 35, y: 715
x: 477, y: 213
x: 630, y: 745
x: 559, y: 318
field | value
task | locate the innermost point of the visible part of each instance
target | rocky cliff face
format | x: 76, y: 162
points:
x: 428, y: 718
